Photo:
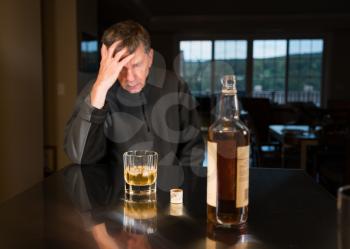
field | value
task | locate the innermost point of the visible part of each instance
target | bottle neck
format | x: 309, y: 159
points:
x: 229, y: 106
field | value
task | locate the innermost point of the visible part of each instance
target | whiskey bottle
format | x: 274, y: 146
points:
x: 228, y: 161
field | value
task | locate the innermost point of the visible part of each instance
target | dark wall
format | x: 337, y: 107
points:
x: 164, y: 43
x: 87, y: 26
x: 338, y: 64
x: 167, y: 30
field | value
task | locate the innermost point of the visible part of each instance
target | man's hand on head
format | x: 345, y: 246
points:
x: 110, y: 66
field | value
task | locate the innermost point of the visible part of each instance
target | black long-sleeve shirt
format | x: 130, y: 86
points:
x: 162, y: 117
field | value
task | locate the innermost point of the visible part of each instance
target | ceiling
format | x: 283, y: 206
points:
x: 229, y: 7
x: 163, y: 13
x: 156, y: 8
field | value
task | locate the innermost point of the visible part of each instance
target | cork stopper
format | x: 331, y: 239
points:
x: 176, y: 196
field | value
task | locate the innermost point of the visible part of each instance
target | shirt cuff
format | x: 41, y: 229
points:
x: 91, y: 113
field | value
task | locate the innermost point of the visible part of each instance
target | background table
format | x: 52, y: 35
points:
x: 286, y: 210
x: 305, y: 138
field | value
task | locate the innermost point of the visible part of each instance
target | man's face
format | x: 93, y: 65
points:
x: 133, y: 75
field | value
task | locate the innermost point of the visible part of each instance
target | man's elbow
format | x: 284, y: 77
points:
x: 73, y: 154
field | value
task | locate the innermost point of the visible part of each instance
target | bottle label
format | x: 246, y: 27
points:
x: 211, y: 173
x: 242, y: 176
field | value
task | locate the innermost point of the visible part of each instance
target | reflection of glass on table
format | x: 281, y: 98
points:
x: 343, y: 206
x: 140, y: 217
x: 140, y: 173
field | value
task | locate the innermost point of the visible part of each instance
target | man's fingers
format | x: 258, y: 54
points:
x: 112, y: 48
x: 125, y: 60
x: 103, y: 51
x: 119, y: 55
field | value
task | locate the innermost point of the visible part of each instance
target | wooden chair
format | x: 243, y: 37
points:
x: 266, y: 151
x: 331, y: 158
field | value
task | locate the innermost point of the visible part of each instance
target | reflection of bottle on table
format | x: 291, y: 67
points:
x: 218, y: 237
x: 233, y: 238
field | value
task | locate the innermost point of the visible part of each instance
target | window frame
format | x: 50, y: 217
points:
x: 249, y: 38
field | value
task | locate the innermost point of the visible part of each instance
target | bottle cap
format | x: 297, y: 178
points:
x: 176, y: 195
x: 229, y: 84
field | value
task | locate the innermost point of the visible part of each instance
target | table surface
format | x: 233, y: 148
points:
x: 287, y: 209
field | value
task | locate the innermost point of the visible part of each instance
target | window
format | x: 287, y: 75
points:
x: 305, y: 70
x: 202, y: 65
x: 230, y: 58
x: 195, y: 66
x: 269, y: 64
x: 296, y: 71
x: 89, y: 54
x: 283, y: 70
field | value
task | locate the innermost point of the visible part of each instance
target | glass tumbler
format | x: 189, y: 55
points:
x: 140, y: 173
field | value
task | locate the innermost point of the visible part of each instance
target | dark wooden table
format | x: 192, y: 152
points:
x: 287, y: 209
